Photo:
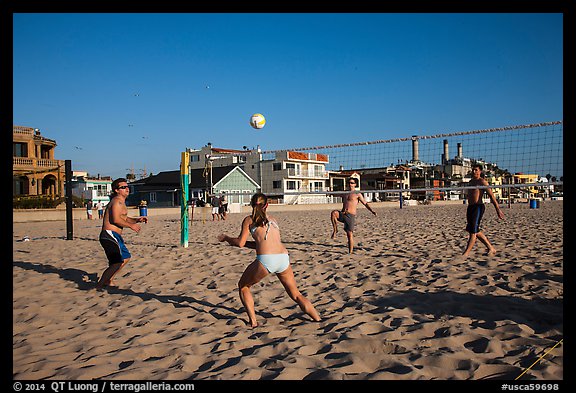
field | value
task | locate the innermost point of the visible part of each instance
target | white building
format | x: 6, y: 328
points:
x: 294, y: 172
x: 96, y: 188
x: 287, y: 172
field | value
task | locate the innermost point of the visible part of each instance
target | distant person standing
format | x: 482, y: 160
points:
x: 348, y: 213
x: 100, y: 208
x: 476, y: 209
x: 223, y: 205
x: 215, y: 203
x: 115, y: 220
x: 89, y: 209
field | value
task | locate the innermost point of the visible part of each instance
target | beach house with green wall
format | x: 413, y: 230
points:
x: 232, y: 180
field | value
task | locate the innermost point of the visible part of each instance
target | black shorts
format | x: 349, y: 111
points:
x: 474, y: 215
x: 114, y: 247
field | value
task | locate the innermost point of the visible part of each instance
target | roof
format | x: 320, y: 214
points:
x: 161, y: 181
x: 164, y: 178
x: 197, y: 179
x: 171, y: 179
x: 296, y: 155
x: 348, y: 173
x: 220, y: 150
x: 238, y: 169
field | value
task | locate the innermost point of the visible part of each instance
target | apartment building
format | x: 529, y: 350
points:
x: 35, y: 170
x: 96, y: 188
x: 278, y: 176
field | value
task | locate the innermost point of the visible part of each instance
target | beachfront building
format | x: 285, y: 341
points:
x: 496, y: 180
x: 165, y: 190
x: 231, y: 180
x: 35, y: 170
x: 291, y: 172
x: 546, y: 190
x: 95, y: 188
x: 383, y: 184
x: 525, y: 178
x: 213, y: 170
x: 278, y: 176
x: 209, y: 156
x: 160, y: 190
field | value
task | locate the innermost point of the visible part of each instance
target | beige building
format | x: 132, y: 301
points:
x: 35, y: 171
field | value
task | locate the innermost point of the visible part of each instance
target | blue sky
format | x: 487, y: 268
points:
x: 122, y: 91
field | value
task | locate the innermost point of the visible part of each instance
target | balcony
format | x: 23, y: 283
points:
x: 30, y: 163
x: 23, y: 130
x: 306, y: 174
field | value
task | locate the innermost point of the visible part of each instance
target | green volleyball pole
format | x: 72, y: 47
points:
x: 184, y: 181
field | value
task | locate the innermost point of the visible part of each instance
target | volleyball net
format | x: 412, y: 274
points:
x: 523, y: 161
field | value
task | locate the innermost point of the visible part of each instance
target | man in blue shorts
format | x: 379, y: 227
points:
x: 476, y: 209
x: 115, y: 220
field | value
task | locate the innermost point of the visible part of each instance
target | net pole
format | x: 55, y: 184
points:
x: 69, y: 213
x: 184, y: 176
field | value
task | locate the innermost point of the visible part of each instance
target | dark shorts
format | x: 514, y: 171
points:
x: 114, y: 247
x: 348, y: 219
x: 474, y: 215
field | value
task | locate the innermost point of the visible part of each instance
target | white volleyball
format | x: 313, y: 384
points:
x: 257, y: 121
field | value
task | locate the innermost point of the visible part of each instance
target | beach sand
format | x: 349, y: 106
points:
x: 404, y: 306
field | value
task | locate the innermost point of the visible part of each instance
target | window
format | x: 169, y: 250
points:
x: 338, y: 185
x: 45, y: 152
x: 195, y: 158
x: 153, y: 197
x: 235, y: 198
x: 277, y: 166
x: 291, y: 185
x: 293, y: 169
x: 316, y: 186
x: 246, y: 197
x: 101, y: 190
x: 20, y: 149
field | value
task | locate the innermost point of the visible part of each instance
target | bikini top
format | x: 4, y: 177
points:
x: 270, y: 223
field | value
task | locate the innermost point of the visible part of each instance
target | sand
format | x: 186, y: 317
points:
x: 404, y: 306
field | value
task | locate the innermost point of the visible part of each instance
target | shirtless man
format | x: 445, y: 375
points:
x: 348, y: 213
x: 476, y: 210
x: 115, y: 219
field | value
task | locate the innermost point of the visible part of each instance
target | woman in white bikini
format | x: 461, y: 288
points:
x: 271, y: 257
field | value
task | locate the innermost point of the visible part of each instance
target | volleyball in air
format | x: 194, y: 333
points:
x: 257, y: 121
